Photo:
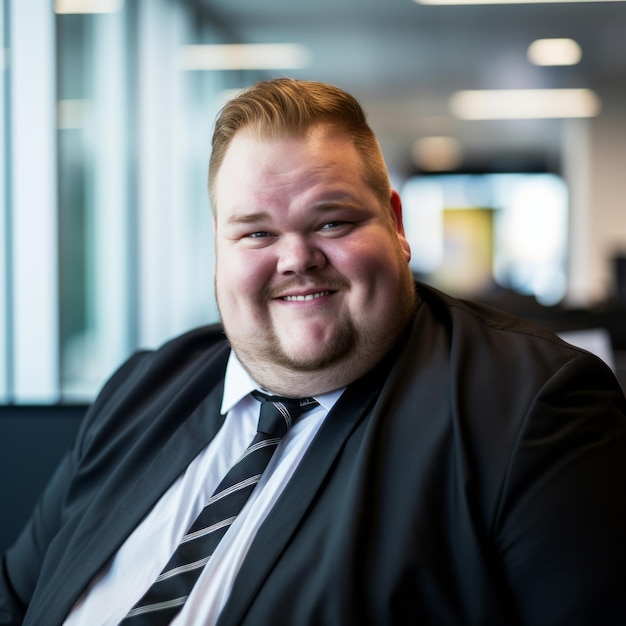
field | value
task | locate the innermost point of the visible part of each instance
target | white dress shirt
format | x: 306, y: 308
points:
x: 146, y: 551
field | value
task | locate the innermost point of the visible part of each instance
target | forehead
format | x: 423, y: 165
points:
x: 255, y: 162
x: 320, y: 140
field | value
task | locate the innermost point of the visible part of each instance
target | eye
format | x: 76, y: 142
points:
x: 338, y: 228
x: 257, y: 238
x: 332, y: 225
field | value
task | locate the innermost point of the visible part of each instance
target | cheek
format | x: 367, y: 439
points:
x: 362, y: 261
x: 376, y: 274
x: 242, y: 273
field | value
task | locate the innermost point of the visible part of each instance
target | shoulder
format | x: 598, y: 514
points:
x: 177, y: 356
x: 183, y: 369
x: 495, y: 333
x: 192, y: 346
x: 493, y: 361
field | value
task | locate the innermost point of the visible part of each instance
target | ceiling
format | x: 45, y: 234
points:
x: 404, y: 60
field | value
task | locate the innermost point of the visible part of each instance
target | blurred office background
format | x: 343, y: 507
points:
x: 503, y: 125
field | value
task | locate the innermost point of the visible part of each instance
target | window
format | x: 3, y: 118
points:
x: 105, y: 224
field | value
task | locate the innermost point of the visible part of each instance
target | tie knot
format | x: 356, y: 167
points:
x: 278, y: 413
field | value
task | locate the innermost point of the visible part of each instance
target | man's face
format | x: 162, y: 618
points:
x: 312, y: 271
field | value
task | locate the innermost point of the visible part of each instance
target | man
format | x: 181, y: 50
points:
x: 459, y: 467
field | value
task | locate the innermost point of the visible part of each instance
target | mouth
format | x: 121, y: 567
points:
x: 307, y: 297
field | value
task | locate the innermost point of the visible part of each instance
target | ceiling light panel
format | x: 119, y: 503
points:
x: 524, y: 104
x: 554, y: 52
x: 245, y: 56
x: 87, y: 6
x: 437, y: 154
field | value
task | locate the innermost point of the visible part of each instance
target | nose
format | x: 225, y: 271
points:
x: 299, y: 254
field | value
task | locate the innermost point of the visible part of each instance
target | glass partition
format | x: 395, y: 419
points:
x: 95, y: 216
x: 106, y: 241
x: 473, y: 234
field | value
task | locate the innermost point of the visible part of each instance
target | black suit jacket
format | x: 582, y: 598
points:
x: 476, y: 476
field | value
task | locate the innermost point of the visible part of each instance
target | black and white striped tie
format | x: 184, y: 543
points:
x: 165, y: 598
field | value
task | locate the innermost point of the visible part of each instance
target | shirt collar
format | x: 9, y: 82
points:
x: 238, y: 384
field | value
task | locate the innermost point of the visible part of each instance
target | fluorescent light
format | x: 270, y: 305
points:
x: 554, y: 52
x: 245, y: 56
x: 87, y: 6
x: 524, y: 104
x: 437, y: 153
x: 449, y: 2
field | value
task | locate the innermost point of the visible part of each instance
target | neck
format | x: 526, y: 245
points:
x: 289, y: 382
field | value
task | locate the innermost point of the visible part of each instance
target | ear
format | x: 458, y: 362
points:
x: 396, y: 210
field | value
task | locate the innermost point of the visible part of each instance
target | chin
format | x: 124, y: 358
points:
x: 326, y: 355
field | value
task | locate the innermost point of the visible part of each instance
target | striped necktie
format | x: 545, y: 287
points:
x: 165, y: 598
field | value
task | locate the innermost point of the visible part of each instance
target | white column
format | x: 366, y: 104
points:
x: 165, y: 227
x: 34, y: 201
x: 109, y: 308
x: 4, y: 250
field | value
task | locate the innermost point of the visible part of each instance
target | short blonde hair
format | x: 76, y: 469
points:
x: 284, y: 107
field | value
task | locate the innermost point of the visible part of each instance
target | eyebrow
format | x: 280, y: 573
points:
x: 247, y: 218
x: 325, y: 205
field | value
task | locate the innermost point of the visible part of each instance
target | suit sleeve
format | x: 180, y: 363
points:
x: 21, y: 563
x: 561, y: 521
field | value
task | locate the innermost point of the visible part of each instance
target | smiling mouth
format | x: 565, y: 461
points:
x: 310, y: 296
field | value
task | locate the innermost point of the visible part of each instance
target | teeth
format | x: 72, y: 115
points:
x: 311, y: 296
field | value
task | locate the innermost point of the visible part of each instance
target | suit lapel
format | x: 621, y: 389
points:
x: 281, y: 524
x: 111, y: 526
